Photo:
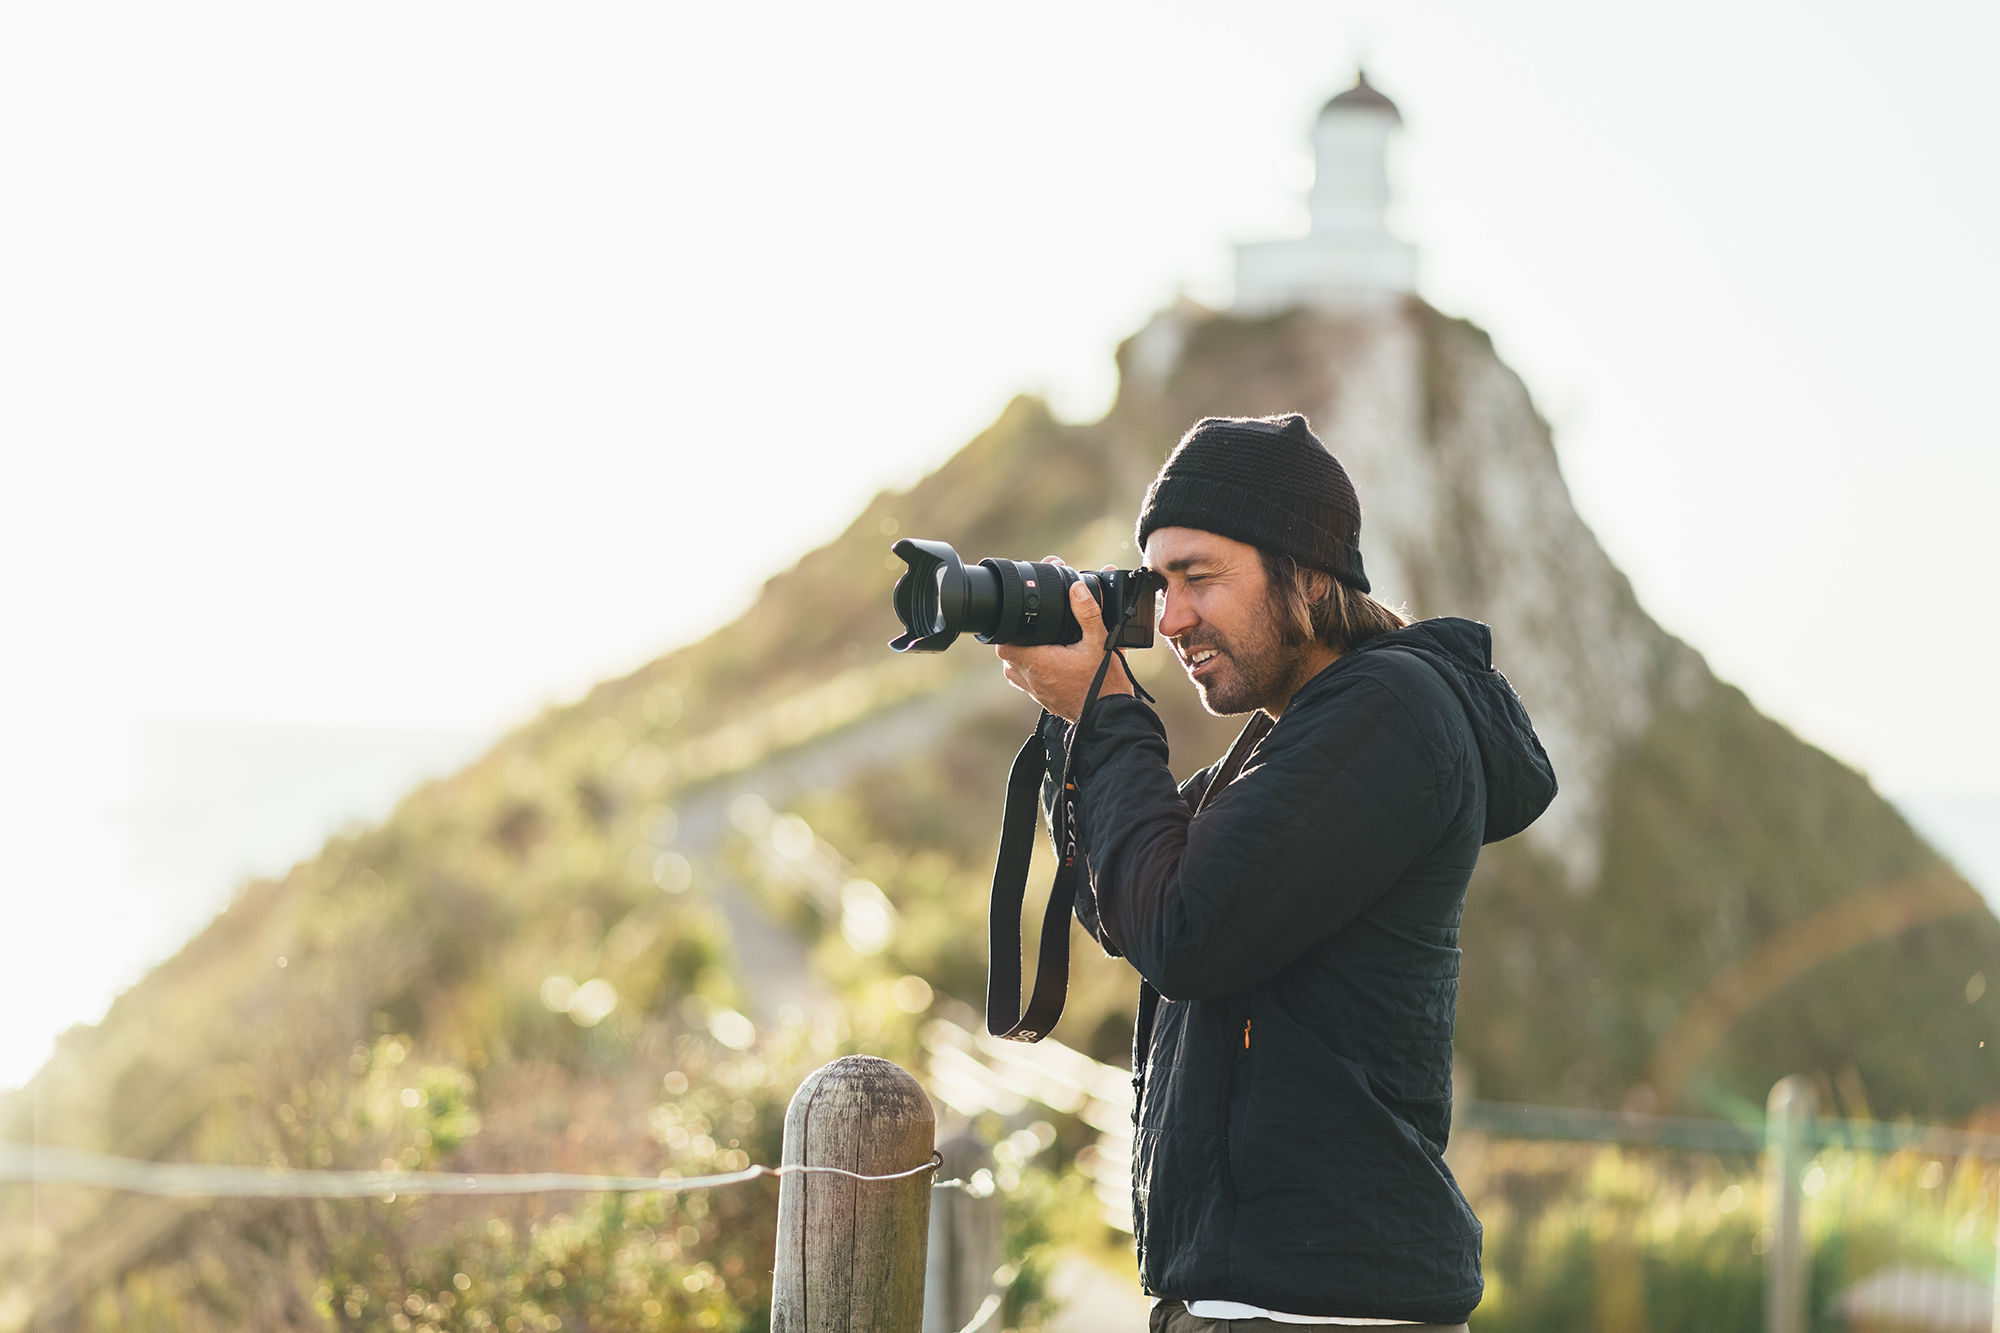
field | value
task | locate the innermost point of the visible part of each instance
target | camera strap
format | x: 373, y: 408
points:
x: 1004, y: 1017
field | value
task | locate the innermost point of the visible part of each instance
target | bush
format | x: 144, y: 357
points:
x: 1600, y: 1239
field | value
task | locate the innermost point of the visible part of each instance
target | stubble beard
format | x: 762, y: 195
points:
x: 1260, y: 674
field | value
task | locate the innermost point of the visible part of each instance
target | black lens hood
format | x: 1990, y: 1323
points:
x: 930, y: 596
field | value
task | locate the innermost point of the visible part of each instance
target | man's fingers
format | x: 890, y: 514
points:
x: 1085, y: 606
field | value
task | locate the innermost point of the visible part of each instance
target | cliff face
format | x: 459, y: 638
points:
x: 1465, y: 513
x: 1711, y: 903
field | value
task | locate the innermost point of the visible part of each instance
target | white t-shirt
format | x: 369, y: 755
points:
x: 1238, y: 1310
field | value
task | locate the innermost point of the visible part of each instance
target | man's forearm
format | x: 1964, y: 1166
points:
x: 1133, y: 823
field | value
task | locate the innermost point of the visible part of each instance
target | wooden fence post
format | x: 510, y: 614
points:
x: 850, y: 1252
x: 965, y: 1240
x: 1995, y: 1324
x: 1787, y: 1125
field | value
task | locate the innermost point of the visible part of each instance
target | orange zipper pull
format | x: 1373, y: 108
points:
x: 1246, y: 1034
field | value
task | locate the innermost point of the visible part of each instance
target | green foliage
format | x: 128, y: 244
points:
x: 620, y: 1262
x: 1585, y: 1239
x: 1581, y: 1238
x: 1722, y: 829
x: 1042, y: 1222
x: 606, y: 1268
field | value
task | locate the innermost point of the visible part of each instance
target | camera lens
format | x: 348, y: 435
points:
x: 1019, y: 602
x: 1033, y: 604
x: 982, y: 598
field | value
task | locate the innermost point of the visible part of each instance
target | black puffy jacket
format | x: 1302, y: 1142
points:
x: 1300, y: 925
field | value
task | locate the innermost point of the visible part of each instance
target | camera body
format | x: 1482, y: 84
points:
x: 1019, y: 602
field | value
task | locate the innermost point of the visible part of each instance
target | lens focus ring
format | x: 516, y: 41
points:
x: 1006, y: 623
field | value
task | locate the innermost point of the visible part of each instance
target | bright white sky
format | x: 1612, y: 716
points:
x: 388, y: 370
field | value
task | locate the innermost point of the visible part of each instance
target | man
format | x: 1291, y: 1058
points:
x: 1294, y: 909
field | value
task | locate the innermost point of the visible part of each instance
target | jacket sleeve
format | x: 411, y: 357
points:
x: 1055, y: 733
x: 1335, y: 804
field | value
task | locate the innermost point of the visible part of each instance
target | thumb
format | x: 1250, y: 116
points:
x: 1088, y: 613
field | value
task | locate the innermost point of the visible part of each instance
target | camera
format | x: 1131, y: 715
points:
x: 1019, y: 602
x: 1024, y: 603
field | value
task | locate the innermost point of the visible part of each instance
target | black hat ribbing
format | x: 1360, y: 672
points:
x: 1263, y: 480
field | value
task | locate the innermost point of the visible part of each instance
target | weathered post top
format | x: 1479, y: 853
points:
x: 851, y: 1252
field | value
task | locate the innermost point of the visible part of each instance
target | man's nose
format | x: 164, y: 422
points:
x: 1176, y: 618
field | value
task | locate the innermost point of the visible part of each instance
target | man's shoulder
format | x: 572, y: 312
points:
x: 1397, y: 695
x: 1386, y: 672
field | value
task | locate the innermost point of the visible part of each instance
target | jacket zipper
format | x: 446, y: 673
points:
x: 1228, y: 1090
x: 1254, y: 731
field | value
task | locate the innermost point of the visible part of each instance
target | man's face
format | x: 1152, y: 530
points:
x: 1218, y: 616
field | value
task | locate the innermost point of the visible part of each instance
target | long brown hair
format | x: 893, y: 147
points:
x: 1312, y: 604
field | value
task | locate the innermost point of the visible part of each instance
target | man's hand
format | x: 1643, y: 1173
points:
x: 1058, y: 676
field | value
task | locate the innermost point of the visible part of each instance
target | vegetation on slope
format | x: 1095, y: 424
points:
x: 417, y: 993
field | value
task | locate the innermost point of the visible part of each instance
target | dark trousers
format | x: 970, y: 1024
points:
x: 1173, y: 1317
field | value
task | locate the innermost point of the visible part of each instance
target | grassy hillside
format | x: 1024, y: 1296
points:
x: 417, y: 992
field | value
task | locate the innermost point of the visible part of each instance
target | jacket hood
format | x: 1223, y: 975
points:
x: 1520, y: 782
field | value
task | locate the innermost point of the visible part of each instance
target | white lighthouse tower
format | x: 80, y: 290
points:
x: 1349, y: 260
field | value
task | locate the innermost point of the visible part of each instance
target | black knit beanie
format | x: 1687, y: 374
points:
x: 1263, y: 480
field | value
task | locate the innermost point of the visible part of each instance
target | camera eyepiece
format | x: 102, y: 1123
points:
x: 1022, y: 602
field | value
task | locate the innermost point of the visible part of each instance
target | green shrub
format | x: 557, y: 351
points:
x: 1619, y: 1240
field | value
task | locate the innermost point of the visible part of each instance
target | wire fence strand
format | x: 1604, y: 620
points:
x: 72, y: 1166
x: 1591, y: 1126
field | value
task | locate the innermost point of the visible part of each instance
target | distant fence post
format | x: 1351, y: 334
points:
x: 965, y: 1240
x: 1995, y: 1324
x: 1787, y: 1125
x: 850, y: 1252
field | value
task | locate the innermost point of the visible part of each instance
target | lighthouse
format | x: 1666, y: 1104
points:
x: 1349, y: 260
